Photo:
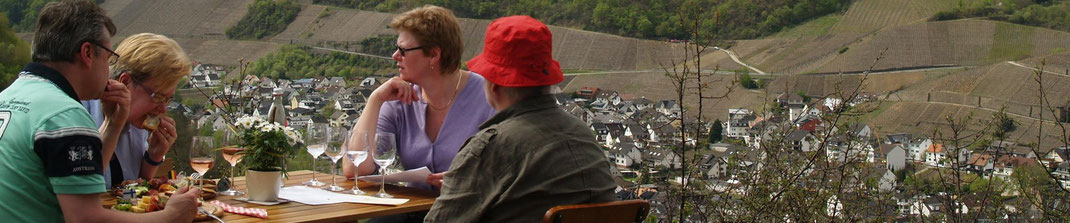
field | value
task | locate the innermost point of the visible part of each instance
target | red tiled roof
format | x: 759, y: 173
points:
x: 935, y: 148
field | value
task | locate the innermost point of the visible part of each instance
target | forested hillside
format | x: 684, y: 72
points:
x: 1052, y: 14
x: 265, y: 18
x: 14, y: 53
x: 382, y: 45
x: 650, y: 19
x: 22, y: 14
x: 295, y: 62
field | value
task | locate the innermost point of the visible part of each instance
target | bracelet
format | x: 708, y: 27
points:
x: 150, y: 161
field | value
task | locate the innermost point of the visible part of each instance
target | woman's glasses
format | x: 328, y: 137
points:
x: 156, y: 97
x: 403, y: 50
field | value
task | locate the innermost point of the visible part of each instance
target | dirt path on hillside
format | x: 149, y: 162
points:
x: 740, y: 62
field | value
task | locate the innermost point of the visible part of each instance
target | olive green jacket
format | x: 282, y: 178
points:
x: 525, y: 160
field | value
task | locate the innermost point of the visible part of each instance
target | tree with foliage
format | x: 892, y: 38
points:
x: 716, y: 132
x: 382, y: 45
x: 14, y: 53
x: 801, y: 93
x: 1003, y: 124
x: 265, y: 18
x: 1050, y: 14
x: 748, y: 81
x: 296, y: 62
x: 326, y: 111
x: 186, y: 129
x: 22, y: 14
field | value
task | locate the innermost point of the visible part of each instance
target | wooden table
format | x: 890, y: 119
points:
x: 419, y: 200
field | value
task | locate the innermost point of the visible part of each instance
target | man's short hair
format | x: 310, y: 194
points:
x: 64, y: 26
x: 434, y: 27
x: 520, y: 93
x: 153, y: 58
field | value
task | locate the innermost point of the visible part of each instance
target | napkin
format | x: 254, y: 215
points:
x: 314, y: 196
x: 255, y: 212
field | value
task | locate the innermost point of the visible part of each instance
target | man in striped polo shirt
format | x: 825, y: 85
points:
x: 50, y: 150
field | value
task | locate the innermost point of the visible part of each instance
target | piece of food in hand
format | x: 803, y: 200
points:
x: 151, y: 123
x: 180, y: 183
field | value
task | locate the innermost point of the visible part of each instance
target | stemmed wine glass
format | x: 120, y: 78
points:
x: 316, y: 143
x: 201, y: 154
x: 386, y: 147
x: 357, y: 152
x: 335, y: 137
x: 232, y: 153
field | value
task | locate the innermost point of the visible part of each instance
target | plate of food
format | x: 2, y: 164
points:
x: 150, y: 202
x: 141, y: 187
x: 157, y: 201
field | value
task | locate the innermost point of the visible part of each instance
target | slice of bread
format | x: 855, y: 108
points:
x: 151, y: 123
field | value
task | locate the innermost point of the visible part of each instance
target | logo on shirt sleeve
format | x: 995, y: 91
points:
x: 80, y: 152
x: 69, y: 151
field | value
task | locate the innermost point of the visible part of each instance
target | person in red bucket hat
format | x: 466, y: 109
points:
x: 531, y: 155
x: 518, y: 53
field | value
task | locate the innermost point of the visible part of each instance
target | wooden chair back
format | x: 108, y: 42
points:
x: 616, y: 211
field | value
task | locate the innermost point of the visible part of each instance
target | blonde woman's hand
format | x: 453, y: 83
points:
x: 161, y: 140
x: 395, y: 89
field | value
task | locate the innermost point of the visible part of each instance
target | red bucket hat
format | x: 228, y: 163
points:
x: 518, y: 52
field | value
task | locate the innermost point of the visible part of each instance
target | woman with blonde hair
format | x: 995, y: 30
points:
x: 432, y: 106
x: 132, y: 114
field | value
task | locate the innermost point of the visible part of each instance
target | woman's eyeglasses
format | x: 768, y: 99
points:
x: 157, y: 97
x: 403, y: 50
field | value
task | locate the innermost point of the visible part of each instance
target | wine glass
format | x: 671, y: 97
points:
x: 232, y: 153
x: 201, y: 154
x: 385, y: 149
x: 316, y: 143
x: 335, y: 137
x: 357, y: 152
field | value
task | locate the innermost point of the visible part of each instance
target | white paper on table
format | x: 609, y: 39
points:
x: 315, y: 196
x: 413, y: 175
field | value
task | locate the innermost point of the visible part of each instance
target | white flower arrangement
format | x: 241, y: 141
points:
x: 268, y: 144
x: 248, y: 122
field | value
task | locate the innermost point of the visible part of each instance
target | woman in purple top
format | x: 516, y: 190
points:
x: 432, y: 106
